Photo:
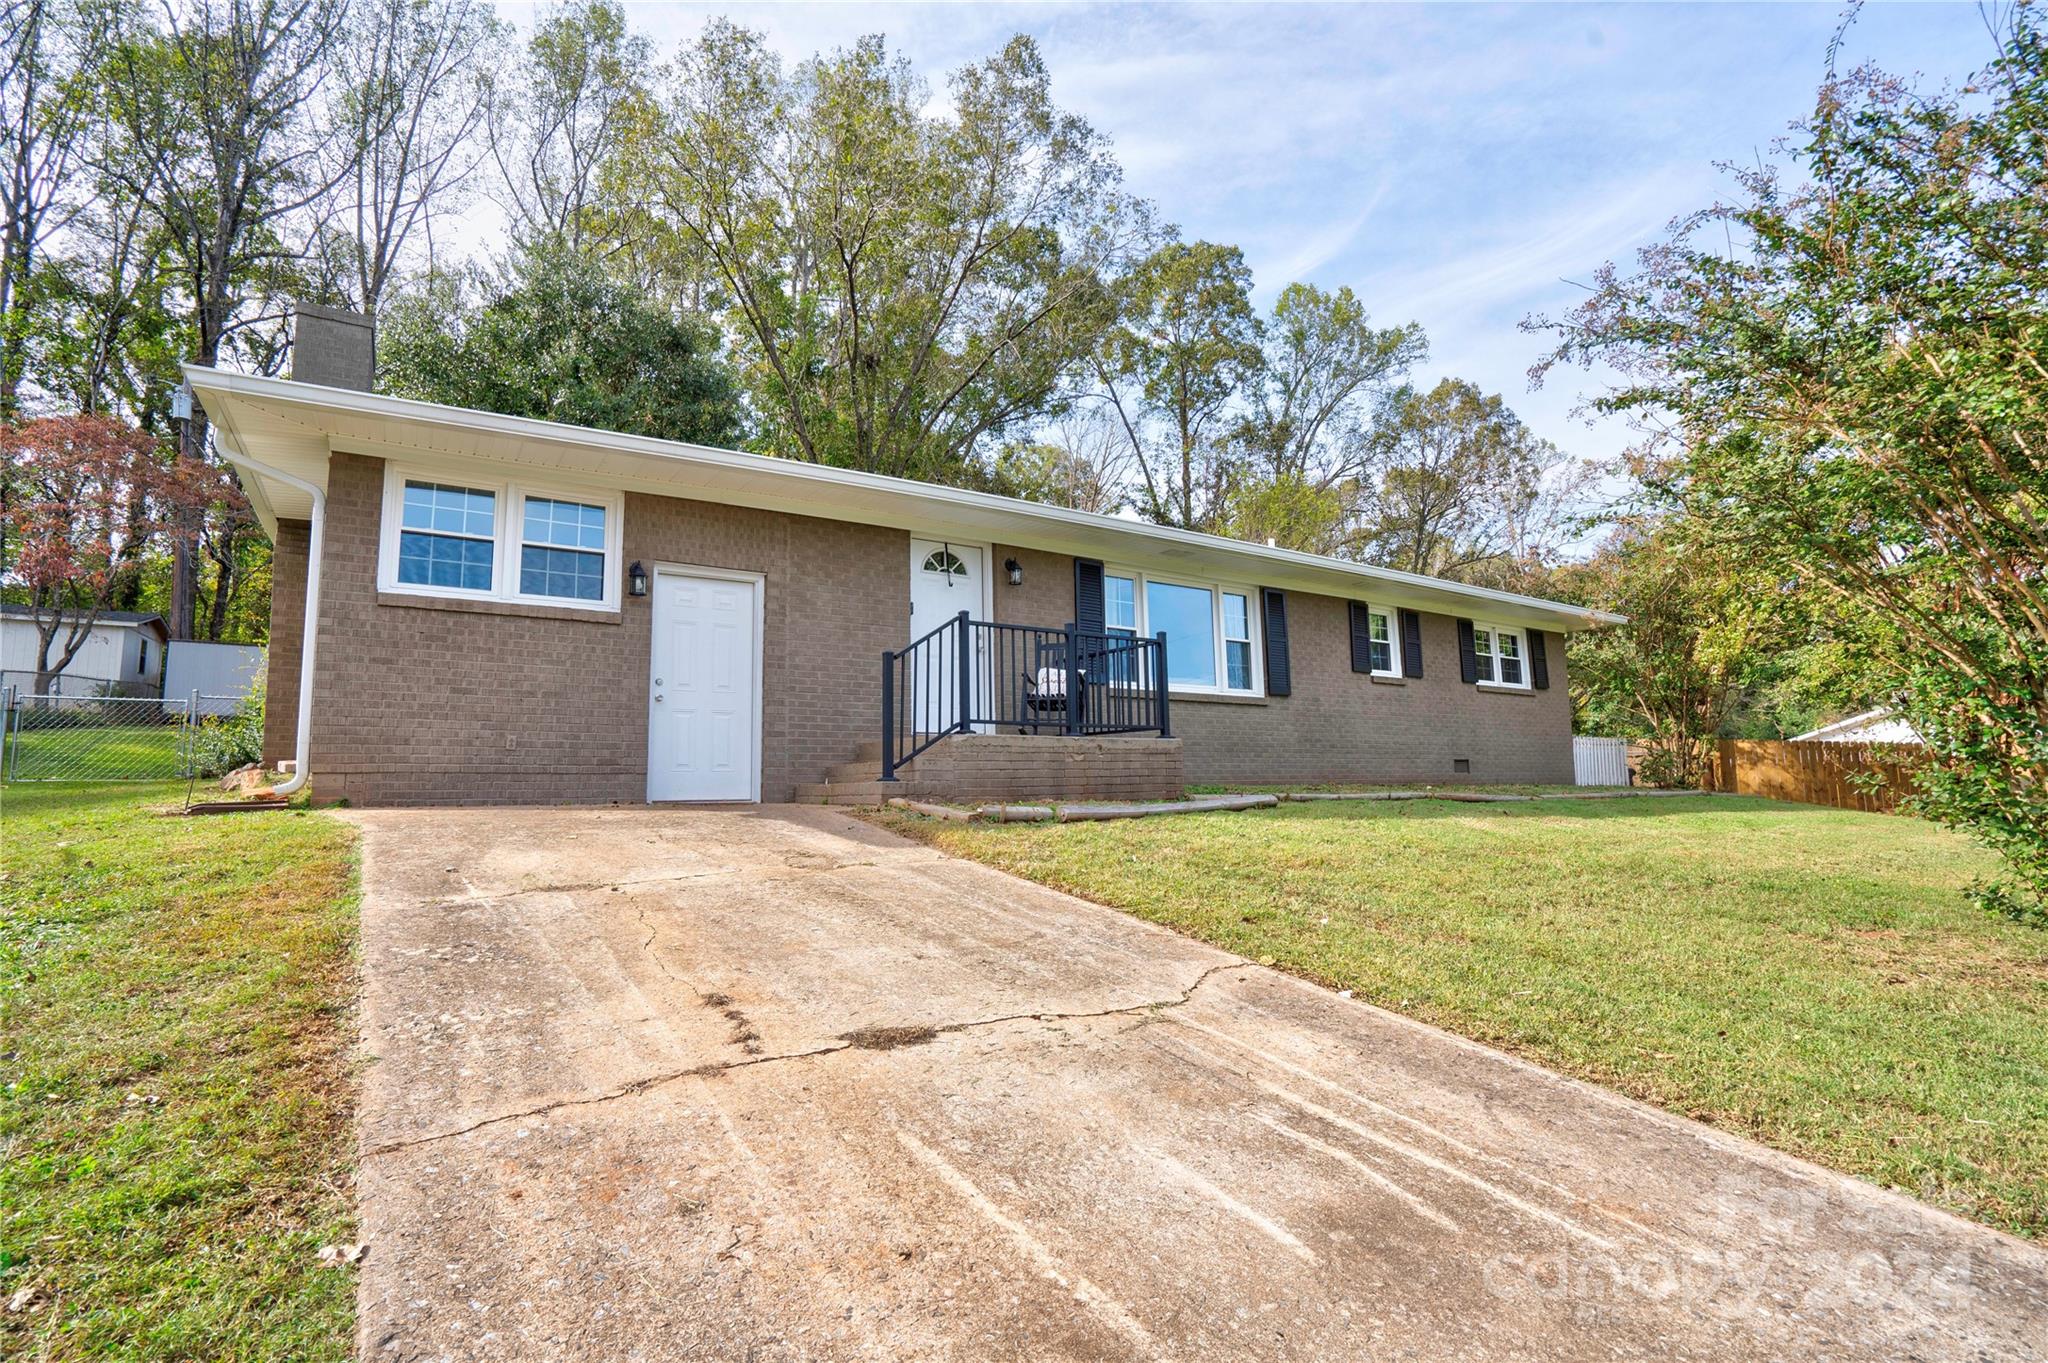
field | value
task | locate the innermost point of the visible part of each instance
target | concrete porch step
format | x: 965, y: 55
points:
x: 873, y: 792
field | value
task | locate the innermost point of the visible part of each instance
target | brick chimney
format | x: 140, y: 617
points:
x: 333, y: 347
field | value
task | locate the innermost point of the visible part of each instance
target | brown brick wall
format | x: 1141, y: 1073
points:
x: 1022, y: 767
x: 422, y: 702
x: 287, y: 633
x: 1339, y: 725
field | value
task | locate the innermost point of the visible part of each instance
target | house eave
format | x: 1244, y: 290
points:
x: 295, y: 426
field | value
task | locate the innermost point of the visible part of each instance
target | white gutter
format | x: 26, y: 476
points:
x: 310, y: 634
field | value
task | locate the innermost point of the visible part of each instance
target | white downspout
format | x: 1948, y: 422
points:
x: 303, y: 748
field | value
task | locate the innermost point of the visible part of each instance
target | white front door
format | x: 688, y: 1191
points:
x: 945, y: 579
x: 704, y: 704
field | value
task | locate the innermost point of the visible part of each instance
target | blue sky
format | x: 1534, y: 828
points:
x: 1453, y: 163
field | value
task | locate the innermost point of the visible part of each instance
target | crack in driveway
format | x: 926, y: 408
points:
x: 871, y: 1038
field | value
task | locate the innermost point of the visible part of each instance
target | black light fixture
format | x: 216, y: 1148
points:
x: 1015, y: 570
x: 636, y: 580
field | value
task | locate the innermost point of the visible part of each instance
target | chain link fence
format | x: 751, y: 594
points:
x: 100, y: 738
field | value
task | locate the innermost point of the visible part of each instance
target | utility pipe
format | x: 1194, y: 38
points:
x: 303, y: 748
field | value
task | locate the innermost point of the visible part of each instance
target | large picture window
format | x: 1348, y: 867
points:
x: 500, y: 541
x: 1209, y: 631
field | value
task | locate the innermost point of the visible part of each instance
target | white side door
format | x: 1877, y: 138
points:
x: 945, y: 579
x: 704, y: 701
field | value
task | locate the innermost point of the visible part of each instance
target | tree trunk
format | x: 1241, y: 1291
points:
x: 184, y: 612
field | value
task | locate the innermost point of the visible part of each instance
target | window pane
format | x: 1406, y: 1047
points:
x: 1120, y: 605
x: 570, y: 524
x: 1187, y: 614
x: 569, y: 573
x: 451, y: 510
x: 1238, y: 654
x: 1237, y: 622
x: 1511, y: 671
x: 1382, y: 656
x: 444, y: 561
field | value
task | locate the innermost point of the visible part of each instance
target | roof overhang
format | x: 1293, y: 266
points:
x: 294, y: 427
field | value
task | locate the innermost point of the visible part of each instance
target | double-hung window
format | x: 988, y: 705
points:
x: 448, y: 536
x: 1208, y: 627
x: 499, y: 541
x: 1385, y: 653
x: 561, y: 549
x: 1500, y: 655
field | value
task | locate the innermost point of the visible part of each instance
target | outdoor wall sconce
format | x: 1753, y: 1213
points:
x: 1015, y: 570
x: 636, y: 580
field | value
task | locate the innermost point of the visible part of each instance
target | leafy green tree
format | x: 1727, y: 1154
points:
x: 1174, y: 370
x: 1846, y: 379
x: 1454, y: 485
x: 903, y: 287
x: 1323, y: 365
x: 1703, y: 631
x: 558, y: 338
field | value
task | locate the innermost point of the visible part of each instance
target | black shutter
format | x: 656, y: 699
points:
x: 1279, y: 677
x: 1411, y: 643
x: 1361, y: 637
x: 1468, y: 657
x: 1088, y: 616
x: 1539, y: 661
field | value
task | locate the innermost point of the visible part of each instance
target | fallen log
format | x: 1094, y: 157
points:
x: 1079, y: 813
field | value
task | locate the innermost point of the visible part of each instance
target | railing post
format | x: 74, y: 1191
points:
x: 1165, y: 726
x: 888, y: 715
x: 961, y: 719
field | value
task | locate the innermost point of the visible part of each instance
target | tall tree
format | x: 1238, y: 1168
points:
x: 560, y: 115
x: 904, y: 286
x: 215, y: 133
x: 1455, y: 484
x: 47, y: 50
x: 1173, y: 370
x: 1844, y: 378
x: 407, y: 97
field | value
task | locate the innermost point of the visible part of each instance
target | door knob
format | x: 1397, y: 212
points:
x: 657, y: 700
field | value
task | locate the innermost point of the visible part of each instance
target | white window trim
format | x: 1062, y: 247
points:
x: 1393, y: 615
x: 508, y: 536
x: 1521, y: 637
x: 1253, y: 621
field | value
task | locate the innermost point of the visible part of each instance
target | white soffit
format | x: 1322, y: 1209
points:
x: 292, y: 426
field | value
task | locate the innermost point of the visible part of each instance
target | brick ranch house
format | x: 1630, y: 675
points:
x: 510, y: 610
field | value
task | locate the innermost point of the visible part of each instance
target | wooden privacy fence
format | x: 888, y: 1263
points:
x: 1837, y: 774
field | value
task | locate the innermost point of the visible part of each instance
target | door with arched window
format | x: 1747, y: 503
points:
x: 945, y: 579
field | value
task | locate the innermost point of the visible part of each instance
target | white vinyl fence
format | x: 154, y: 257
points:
x: 220, y: 673
x: 1599, y: 761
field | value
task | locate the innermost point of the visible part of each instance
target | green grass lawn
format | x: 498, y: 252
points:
x: 175, y: 1123
x: 1807, y: 977
x: 86, y: 753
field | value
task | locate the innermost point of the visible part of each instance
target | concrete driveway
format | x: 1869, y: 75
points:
x: 772, y: 1084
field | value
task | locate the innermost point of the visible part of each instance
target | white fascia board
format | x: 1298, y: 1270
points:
x: 292, y: 426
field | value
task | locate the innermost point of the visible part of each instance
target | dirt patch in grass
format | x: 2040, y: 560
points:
x: 1811, y: 978
x: 177, y: 1001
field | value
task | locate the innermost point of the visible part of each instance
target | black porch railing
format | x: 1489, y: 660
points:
x: 976, y: 675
